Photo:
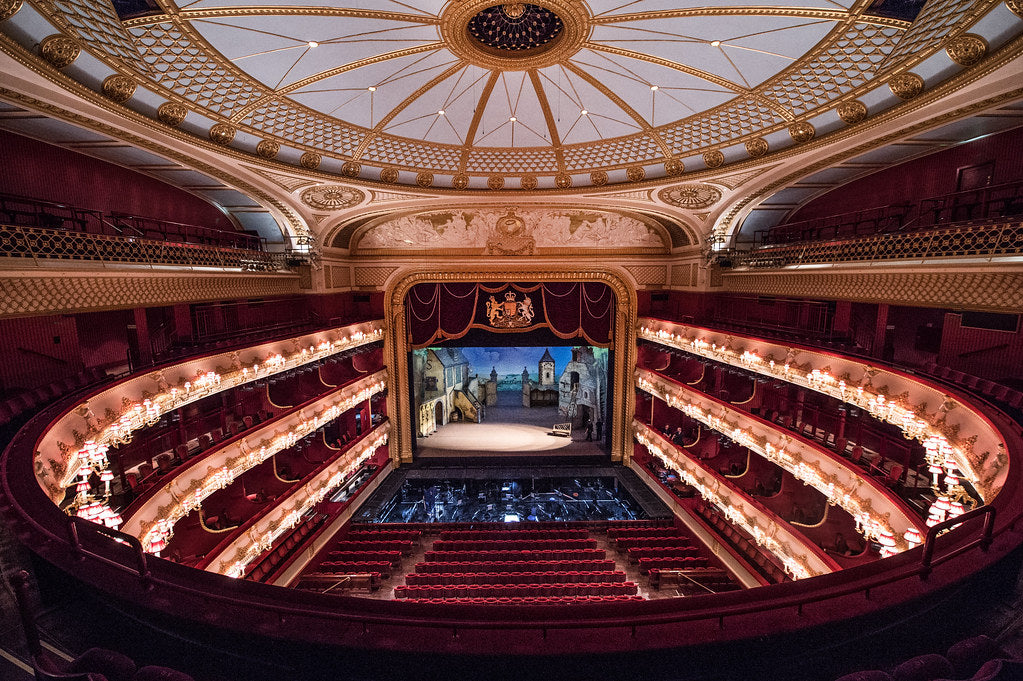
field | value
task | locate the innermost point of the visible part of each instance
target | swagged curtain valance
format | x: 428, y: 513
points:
x: 438, y: 312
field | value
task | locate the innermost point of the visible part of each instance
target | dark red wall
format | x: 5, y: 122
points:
x: 921, y: 178
x: 42, y: 171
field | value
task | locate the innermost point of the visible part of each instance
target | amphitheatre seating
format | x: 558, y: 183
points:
x: 404, y: 547
x: 553, y: 577
x: 339, y: 581
x: 516, y: 554
x: 383, y: 568
x: 514, y: 534
x: 391, y: 557
x: 528, y: 600
x: 515, y: 590
x: 516, y: 566
x: 662, y: 552
x: 513, y: 544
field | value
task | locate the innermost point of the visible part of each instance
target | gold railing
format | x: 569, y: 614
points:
x: 990, y: 240
x: 42, y: 244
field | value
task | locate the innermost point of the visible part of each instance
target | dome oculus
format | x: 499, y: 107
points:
x: 515, y: 27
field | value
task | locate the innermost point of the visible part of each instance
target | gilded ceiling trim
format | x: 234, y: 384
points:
x: 404, y: 104
x: 635, y: 115
x: 669, y: 64
x: 548, y: 115
x: 477, y: 116
x: 213, y: 13
x: 396, y: 345
x: 798, y: 12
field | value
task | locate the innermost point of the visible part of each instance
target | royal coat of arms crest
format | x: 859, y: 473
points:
x: 511, y: 312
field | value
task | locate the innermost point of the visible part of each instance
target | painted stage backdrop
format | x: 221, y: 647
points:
x: 493, y: 383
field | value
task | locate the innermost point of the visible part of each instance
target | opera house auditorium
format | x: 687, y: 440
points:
x: 554, y: 340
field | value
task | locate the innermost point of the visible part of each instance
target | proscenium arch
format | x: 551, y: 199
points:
x: 396, y: 346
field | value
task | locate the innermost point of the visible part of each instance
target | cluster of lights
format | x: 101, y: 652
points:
x: 148, y: 411
x: 712, y: 490
x: 88, y: 503
x: 224, y: 476
x: 308, y: 497
x: 821, y: 380
x: 868, y: 522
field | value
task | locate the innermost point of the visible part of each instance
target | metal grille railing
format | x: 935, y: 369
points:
x: 42, y: 244
x: 989, y: 240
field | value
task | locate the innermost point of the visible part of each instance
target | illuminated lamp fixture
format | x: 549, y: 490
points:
x: 935, y: 470
x: 82, y: 487
x: 158, y: 544
x: 956, y: 509
x: 951, y: 479
x: 887, y: 541
x: 106, y: 477
x: 913, y: 537
x: 943, y: 504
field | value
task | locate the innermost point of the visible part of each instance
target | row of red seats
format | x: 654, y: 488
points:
x: 626, y: 543
x: 405, y: 547
x: 434, y: 528
x: 581, y: 533
x: 513, y: 544
x: 616, y: 525
x: 744, y: 544
x: 514, y: 590
x: 522, y: 554
x: 339, y: 581
x: 517, y: 566
x: 655, y: 531
x: 661, y: 551
x: 33, y: 399
x: 669, y: 562
x: 354, y: 566
x: 391, y: 557
x: 529, y: 600
x: 280, y: 553
x: 513, y: 577
x: 404, y: 535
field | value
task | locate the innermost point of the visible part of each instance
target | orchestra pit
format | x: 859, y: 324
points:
x: 558, y: 340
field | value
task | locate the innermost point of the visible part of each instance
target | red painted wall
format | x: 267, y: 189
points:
x: 921, y: 178
x: 42, y: 171
x: 995, y: 355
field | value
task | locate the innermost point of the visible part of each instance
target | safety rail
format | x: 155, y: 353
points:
x: 74, y: 536
x: 988, y: 240
x: 927, y: 560
x: 40, y: 244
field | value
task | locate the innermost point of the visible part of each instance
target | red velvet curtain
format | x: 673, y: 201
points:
x: 437, y: 312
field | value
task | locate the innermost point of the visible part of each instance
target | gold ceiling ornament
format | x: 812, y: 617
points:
x: 59, y: 50
x: 1015, y: 6
x: 389, y: 175
x: 852, y: 112
x: 424, y: 179
x: 801, y: 132
x: 222, y: 134
x: 310, y: 160
x: 332, y: 197
x: 172, y: 113
x: 528, y: 182
x: 351, y: 169
x: 267, y: 148
x: 967, y: 49
x: 8, y: 8
x: 674, y: 167
x: 454, y: 29
x: 119, y: 87
x: 514, y: 10
x: 562, y: 180
x: 635, y: 173
x: 690, y: 196
x: 495, y: 182
x: 714, y: 158
x: 756, y: 147
x: 598, y: 178
x: 906, y: 85
x: 460, y: 181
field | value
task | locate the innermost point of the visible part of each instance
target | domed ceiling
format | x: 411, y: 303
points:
x: 557, y: 93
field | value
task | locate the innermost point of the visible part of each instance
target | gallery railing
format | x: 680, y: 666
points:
x: 43, y: 244
x: 984, y: 241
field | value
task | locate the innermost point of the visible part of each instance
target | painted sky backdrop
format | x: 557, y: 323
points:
x: 512, y: 360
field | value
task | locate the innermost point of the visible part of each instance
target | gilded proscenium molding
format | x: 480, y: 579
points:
x: 38, y: 292
x: 110, y: 416
x: 923, y: 411
x: 155, y: 518
x: 801, y: 558
x: 875, y: 509
x: 280, y: 519
x: 397, y: 348
x: 991, y: 288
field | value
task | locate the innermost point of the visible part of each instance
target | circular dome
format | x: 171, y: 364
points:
x: 516, y: 27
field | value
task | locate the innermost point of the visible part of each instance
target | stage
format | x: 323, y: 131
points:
x: 509, y: 429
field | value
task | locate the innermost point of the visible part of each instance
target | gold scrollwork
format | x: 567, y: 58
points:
x: 691, y: 196
x: 332, y: 197
x: 634, y: 173
x: 119, y: 87
x: 59, y: 50
x: 852, y: 112
x: 460, y: 181
x: 674, y: 167
x: 495, y: 182
x: 267, y: 148
x: 351, y: 169
x: 756, y: 147
x: 966, y: 49
x: 801, y: 132
x: 424, y: 179
x: 172, y: 113
x: 714, y: 158
x: 598, y: 178
x: 8, y: 8
x: 222, y: 134
x: 906, y: 85
x: 389, y: 175
x: 528, y: 182
x: 310, y: 160
x: 1015, y: 6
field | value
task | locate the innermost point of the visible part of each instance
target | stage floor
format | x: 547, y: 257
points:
x: 509, y: 429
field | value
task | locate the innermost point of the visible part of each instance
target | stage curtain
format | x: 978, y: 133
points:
x: 438, y: 312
